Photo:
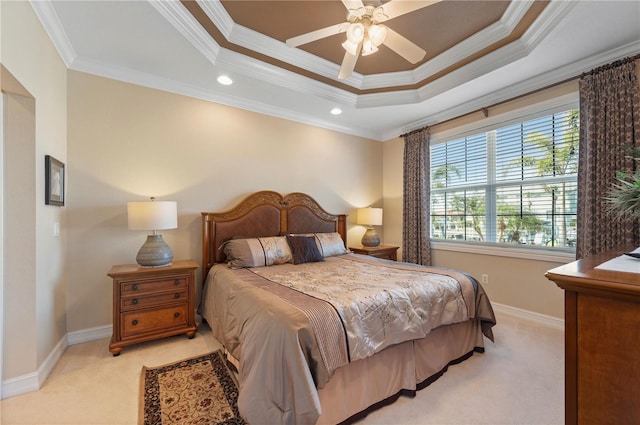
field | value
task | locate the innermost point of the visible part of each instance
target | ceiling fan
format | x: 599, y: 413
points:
x: 365, y: 32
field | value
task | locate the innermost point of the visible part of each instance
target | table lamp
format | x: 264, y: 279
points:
x: 370, y: 217
x: 153, y: 215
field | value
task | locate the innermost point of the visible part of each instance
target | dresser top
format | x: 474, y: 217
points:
x: 135, y: 269
x: 582, y: 275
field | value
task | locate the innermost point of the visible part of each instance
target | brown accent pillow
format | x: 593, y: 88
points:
x: 304, y: 249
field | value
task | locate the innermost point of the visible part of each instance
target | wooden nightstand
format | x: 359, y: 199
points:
x: 389, y: 252
x: 152, y: 303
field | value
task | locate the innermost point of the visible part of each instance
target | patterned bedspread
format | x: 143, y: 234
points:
x: 291, y: 326
x: 380, y: 304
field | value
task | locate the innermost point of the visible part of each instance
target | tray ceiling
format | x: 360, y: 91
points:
x: 437, y: 29
x: 478, y: 53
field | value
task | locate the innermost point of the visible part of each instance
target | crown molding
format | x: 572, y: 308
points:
x: 566, y: 72
x: 186, y: 24
x: 51, y: 22
x: 550, y: 17
x: 260, y: 43
x: 268, y: 73
x: 504, y: 56
x: 178, y: 16
x: 481, y: 40
x: 219, y: 16
x: 515, y: 50
x: 184, y: 21
x: 247, y: 38
x: 272, y: 74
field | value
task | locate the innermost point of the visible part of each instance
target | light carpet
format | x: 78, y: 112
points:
x: 518, y: 380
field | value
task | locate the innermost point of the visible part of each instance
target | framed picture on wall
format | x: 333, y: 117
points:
x: 53, y: 181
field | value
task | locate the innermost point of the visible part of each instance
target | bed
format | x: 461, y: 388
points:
x: 311, y: 353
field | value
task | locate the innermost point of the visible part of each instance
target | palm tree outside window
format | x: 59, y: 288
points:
x: 515, y: 184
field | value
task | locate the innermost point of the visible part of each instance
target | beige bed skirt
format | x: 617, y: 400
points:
x: 363, y: 383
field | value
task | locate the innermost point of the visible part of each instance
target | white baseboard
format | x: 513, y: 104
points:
x: 541, y: 319
x: 20, y: 385
x: 34, y: 380
x: 91, y: 334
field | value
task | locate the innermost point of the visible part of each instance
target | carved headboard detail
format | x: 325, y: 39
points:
x: 263, y: 214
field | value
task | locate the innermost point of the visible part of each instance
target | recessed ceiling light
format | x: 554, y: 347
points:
x: 336, y: 111
x: 225, y: 80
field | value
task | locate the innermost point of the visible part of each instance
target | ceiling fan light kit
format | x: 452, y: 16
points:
x: 377, y: 34
x: 351, y: 48
x: 365, y: 32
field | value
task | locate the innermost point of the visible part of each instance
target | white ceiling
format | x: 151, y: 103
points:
x: 159, y: 44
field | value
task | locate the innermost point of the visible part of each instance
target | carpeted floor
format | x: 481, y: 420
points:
x: 518, y: 380
x: 200, y: 390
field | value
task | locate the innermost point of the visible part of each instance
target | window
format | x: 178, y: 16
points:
x: 514, y: 184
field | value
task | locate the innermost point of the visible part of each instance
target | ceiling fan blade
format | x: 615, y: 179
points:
x: 316, y: 35
x: 348, y: 64
x: 396, y: 8
x: 352, y: 4
x: 402, y: 46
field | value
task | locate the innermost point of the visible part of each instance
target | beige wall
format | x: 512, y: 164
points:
x: 515, y: 282
x: 34, y: 310
x: 19, y: 222
x: 128, y: 142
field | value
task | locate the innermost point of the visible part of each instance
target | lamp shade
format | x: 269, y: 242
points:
x: 369, y: 216
x: 152, y: 215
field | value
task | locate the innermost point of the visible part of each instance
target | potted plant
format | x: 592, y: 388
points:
x: 624, y: 197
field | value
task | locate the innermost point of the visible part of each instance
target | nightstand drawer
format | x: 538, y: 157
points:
x: 152, y: 300
x: 386, y: 256
x: 147, y: 321
x: 141, y: 286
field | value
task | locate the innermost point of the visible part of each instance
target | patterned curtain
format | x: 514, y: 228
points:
x: 609, y: 131
x: 416, y: 246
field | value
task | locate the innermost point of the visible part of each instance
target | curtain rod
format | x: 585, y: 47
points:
x: 417, y: 130
x: 485, y: 110
x: 611, y: 65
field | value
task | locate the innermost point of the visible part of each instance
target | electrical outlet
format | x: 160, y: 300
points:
x: 485, y: 279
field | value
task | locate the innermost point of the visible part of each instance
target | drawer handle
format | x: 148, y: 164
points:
x: 176, y: 282
x: 176, y: 295
x: 134, y: 287
x: 176, y: 315
x: 134, y: 322
x: 134, y: 301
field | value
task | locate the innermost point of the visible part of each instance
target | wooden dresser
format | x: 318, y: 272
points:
x: 602, y: 342
x: 152, y: 303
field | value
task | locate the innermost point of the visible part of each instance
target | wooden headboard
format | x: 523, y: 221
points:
x: 263, y: 214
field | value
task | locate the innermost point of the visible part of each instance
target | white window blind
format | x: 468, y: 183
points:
x: 514, y: 184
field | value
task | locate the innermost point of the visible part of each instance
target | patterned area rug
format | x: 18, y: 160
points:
x: 200, y: 391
